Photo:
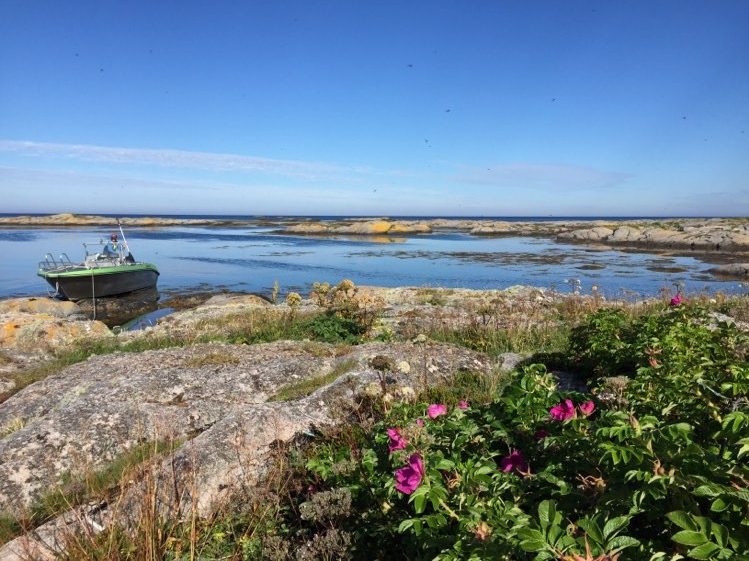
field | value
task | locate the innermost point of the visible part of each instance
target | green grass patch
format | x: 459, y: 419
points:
x: 306, y: 387
x: 10, y: 528
x: 78, y: 489
x: 545, y: 339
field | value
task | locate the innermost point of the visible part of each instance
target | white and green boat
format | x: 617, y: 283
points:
x: 110, y: 270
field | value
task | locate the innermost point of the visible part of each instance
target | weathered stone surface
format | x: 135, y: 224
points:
x: 91, y: 412
x: 589, y: 234
x: 49, y: 306
x: 360, y: 227
x: 44, y: 332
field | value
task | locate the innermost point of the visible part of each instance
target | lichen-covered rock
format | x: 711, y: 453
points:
x: 44, y: 332
x: 91, y: 412
x: 49, y: 306
x: 587, y: 234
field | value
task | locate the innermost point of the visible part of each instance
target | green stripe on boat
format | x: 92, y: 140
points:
x: 99, y: 271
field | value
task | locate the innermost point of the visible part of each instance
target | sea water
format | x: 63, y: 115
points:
x: 253, y: 259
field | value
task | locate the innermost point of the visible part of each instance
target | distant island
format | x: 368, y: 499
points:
x: 723, y: 235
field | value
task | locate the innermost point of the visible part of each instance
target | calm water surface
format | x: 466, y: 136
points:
x: 252, y: 259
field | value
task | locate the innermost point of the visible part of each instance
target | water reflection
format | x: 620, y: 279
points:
x: 118, y: 310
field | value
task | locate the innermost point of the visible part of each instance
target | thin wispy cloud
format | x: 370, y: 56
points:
x: 185, y: 159
x: 542, y: 176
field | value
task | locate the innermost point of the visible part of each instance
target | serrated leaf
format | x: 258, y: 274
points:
x: 681, y: 519
x: 614, y: 525
x: 530, y: 534
x: 721, y: 534
x: 707, y: 491
x: 704, y: 551
x: 619, y: 543
x: 445, y: 465
x: 592, y: 529
x: 689, y: 537
x: 533, y: 545
x: 546, y: 513
x: 719, y: 505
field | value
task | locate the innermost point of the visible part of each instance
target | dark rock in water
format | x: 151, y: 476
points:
x: 118, y: 310
x: 731, y: 270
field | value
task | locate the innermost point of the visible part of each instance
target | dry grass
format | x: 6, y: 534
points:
x: 306, y: 387
x: 213, y: 358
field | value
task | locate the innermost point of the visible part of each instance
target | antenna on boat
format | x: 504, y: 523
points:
x: 124, y: 239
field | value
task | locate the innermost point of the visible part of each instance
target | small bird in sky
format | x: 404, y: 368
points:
x: 553, y: 99
x: 447, y: 110
x: 410, y: 65
x: 684, y: 117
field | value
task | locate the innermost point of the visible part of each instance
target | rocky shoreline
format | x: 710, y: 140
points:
x: 700, y: 234
x: 224, y: 407
x: 220, y: 403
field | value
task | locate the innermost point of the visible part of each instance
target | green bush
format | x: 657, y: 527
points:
x: 331, y: 328
x: 549, y: 475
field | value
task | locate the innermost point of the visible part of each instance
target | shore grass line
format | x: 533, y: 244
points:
x: 306, y: 387
x: 80, y: 488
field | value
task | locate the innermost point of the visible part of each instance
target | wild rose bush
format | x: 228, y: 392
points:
x: 658, y: 474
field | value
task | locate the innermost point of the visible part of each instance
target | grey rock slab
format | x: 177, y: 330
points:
x: 91, y: 412
x: 84, y: 417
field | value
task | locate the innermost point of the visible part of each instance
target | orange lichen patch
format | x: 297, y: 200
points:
x: 42, y: 332
x: 379, y: 226
x: 39, y: 306
x: 410, y: 228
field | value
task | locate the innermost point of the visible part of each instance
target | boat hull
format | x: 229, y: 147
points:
x: 102, y: 283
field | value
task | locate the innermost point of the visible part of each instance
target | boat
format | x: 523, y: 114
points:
x: 109, y: 269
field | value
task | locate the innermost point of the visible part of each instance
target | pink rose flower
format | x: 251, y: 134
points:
x: 587, y: 408
x: 409, y: 477
x: 514, y: 462
x: 436, y: 409
x: 676, y: 300
x: 420, y: 422
x: 463, y: 404
x: 563, y: 411
x: 397, y: 442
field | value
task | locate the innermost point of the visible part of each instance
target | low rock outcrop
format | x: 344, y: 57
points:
x: 32, y: 329
x: 85, y: 416
x: 356, y: 227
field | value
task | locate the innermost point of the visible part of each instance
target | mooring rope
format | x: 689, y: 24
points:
x: 93, y: 293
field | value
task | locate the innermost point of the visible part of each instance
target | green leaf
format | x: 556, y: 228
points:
x: 533, y: 545
x: 614, y: 525
x: 419, y: 498
x: 721, y: 534
x: 619, y: 543
x: 532, y: 540
x: 681, y: 519
x: 547, y: 512
x: 445, y: 464
x: 592, y: 529
x: 719, y: 505
x: 688, y: 537
x: 704, y: 551
x: 707, y: 490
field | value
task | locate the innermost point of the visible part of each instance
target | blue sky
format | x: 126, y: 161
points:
x: 503, y: 108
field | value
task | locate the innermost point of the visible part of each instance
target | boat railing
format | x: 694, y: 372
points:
x: 51, y: 264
